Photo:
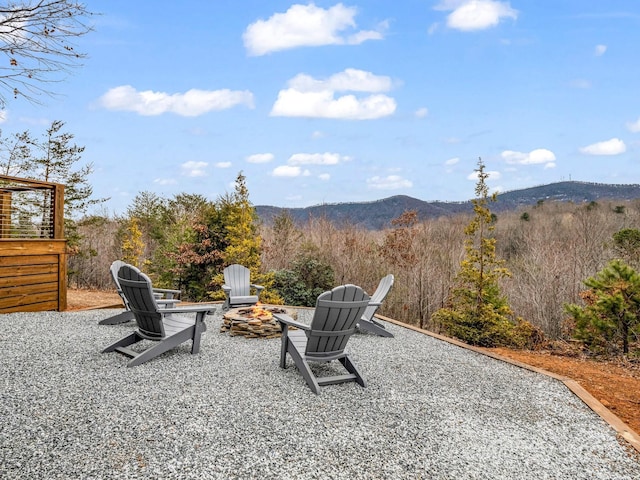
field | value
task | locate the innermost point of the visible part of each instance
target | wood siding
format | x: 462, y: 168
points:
x: 33, y: 275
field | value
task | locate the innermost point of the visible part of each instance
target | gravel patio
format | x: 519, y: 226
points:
x: 432, y: 410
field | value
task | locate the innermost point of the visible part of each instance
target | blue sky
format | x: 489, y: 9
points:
x: 330, y: 102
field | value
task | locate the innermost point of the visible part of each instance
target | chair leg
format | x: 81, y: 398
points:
x: 124, y: 342
x: 123, y: 317
x: 199, y: 328
x: 162, y: 347
x: 284, y: 341
x: 351, y: 368
x: 374, y: 328
x: 304, y: 368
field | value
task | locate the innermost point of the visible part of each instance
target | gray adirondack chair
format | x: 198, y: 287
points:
x: 367, y: 322
x: 163, y: 325
x: 334, y: 321
x: 237, y: 287
x: 165, y: 298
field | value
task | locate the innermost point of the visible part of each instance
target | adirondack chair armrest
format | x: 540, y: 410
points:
x: 226, y: 289
x: 167, y: 302
x: 375, y: 304
x: 192, y: 309
x: 287, y: 320
x: 168, y: 293
x: 258, y: 288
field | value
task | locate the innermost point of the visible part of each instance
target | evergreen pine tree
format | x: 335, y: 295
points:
x: 612, y: 313
x: 477, y: 312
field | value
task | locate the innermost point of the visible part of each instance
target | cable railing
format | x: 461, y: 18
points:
x: 30, y: 209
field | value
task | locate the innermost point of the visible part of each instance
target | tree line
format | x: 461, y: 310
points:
x: 552, y: 271
x: 536, y: 263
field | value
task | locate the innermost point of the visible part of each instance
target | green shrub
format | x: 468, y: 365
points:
x: 302, y: 284
x: 485, y: 327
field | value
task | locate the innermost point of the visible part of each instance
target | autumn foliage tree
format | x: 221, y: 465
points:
x: 190, y: 249
x: 132, y: 244
x: 241, y: 227
x: 239, y: 223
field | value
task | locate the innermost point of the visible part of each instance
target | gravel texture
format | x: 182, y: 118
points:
x: 432, y: 411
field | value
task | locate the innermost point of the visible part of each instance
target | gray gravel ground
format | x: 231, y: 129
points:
x: 432, y: 411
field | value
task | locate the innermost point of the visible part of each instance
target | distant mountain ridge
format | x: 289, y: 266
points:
x: 378, y: 214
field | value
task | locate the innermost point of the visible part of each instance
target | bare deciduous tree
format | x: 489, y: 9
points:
x: 37, y: 40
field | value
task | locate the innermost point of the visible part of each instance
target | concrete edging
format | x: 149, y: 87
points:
x: 623, y: 430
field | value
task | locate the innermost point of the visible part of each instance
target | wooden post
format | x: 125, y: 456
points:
x: 5, y: 214
x: 58, y: 234
x: 58, y: 211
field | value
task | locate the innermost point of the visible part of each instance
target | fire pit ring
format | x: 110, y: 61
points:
x: 254, y: 322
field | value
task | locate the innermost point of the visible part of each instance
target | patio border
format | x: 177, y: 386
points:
x: 623, y: 430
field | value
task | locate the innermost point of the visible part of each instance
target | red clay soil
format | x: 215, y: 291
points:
x: 615, y: 384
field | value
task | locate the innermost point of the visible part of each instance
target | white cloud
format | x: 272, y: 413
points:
x: 324, y: 176
x: 287, y: 171
x: 317, y: 135
x: 307, y: 26
x: 364, y: 35
x: 317, y: 159
x: 452, y: 161
x: 615, y: 146
x: 165, y: 181
x: 291, y: 103
x: 540, y: 156
x: 3, y: 116
x: 351, y: 79
x: 311, y: 98
x: 189, y: 104
x: 391, y: 182
x: 223, y: 164
x: 194, y: 169
x: 471, y: 15
x: 600, y: 50
x: 260, y: 158
x: 422, y: 112
x: 492, y: 175
x: 634, y: 126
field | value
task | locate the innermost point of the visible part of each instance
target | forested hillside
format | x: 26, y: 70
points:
x: 378, y: 215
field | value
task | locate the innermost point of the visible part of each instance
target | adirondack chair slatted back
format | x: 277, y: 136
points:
x: 138, y: 291
x: 334, y: 320
x: 237, y: 277
x: 114, y: 269
x: 378, y: 296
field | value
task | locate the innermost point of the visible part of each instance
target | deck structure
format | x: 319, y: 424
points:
x: 33, y: 250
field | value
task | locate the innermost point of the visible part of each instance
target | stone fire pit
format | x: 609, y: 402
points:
x: 254, y: 322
